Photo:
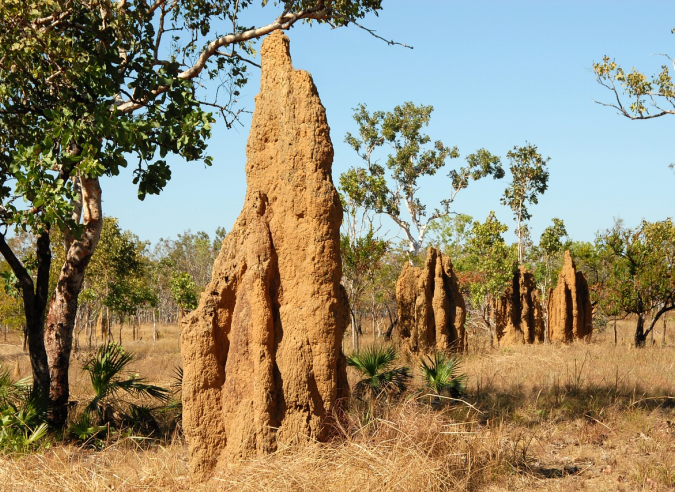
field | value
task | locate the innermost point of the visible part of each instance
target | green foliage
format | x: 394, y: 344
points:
x: 548, y: 255
x: 595, y: 264
x: 646, y: 97
x: 106, y: 371
x: 117, y: 275
x: 489, y: 260
x: 551, y: 241
x: 441, y: 375
x: 642, y: 264
x: 23, y: 415
x: 413, y: 156
x: 59, y: 110
x: 643, y: 273
x: 84, y: 428
x: 183, y: 289
x: 529, y: 180
x: 381, y: 377
x: 361, y: 257
x: 192, y: 253
x: 450, y: 235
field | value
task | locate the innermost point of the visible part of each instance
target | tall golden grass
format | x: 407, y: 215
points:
x: 594, y: 416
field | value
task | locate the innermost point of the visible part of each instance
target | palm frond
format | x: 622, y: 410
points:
x: 106, y: 371
x: 105, y: 367
x: 376, y: 364
x: 138, y: 386
x: 441, y: 374
x: 372, y: 360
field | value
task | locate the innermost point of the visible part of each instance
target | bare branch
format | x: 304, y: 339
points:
x: 283, y: 22
x: 390, y: 42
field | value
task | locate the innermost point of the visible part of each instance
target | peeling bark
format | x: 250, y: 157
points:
x: 63, y: 307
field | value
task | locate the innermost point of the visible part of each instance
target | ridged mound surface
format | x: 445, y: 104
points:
x: 431, y: 309
x: 261, y: 354
x: 518, y: 314
x: 570, y: 314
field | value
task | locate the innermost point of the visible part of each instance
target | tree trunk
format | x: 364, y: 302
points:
x: 640, y: 337
x: 34, y: 302
x: 154, y: 328
x: 75, y: 336
x: 63, y: 307
x: 392, y: 325
x: 664, y: 331
x: 355, y: 341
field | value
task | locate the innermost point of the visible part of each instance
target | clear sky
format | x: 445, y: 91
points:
x: 499, y: 74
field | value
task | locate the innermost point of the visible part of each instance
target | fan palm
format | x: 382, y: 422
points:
x: 23, y: 414
x: 441, y: 375
x: 376, y: 364
x: 106, y: 370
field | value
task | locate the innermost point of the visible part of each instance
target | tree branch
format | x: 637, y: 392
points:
x: 388, y: 41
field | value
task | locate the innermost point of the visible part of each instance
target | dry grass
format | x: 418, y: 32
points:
x: 586, y: 416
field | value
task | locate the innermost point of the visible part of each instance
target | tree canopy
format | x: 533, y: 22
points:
x: 412, y: 157
x: 87, y: 87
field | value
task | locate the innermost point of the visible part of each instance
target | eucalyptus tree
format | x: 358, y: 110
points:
x: 361, y: 258
x: 184, y: 291
x: 548, y: 254
x: 413, y: 157
x: 638, y: 96
x: 529, y: 180
x: 490, y: 263
x: 548, y: 259
x: 87, y: 86
x: 642, y: 266
x: 450, y: 233
x: 192, y: 253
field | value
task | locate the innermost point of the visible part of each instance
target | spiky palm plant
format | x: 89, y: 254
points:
x: 381, y: 377
x: 10, y: 391
x: 23, y: 414
x: 441, y: 375
x: 107, y: 370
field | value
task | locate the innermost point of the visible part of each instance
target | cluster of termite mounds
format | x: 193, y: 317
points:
x: 517, y: 315
x: 262, y: 355
x: 431, y: 309
x: 569, y: 306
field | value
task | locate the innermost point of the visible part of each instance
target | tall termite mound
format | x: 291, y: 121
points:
x: 518, y: 314
x: 431, y: 310
x: 570, y: 314
x: 261, y: 354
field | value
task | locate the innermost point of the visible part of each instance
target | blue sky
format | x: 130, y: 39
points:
x: 499, y: 74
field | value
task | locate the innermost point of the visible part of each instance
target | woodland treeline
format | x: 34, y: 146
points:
x: 129, y: 281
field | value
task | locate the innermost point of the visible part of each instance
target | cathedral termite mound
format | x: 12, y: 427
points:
x: 261, y: 353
